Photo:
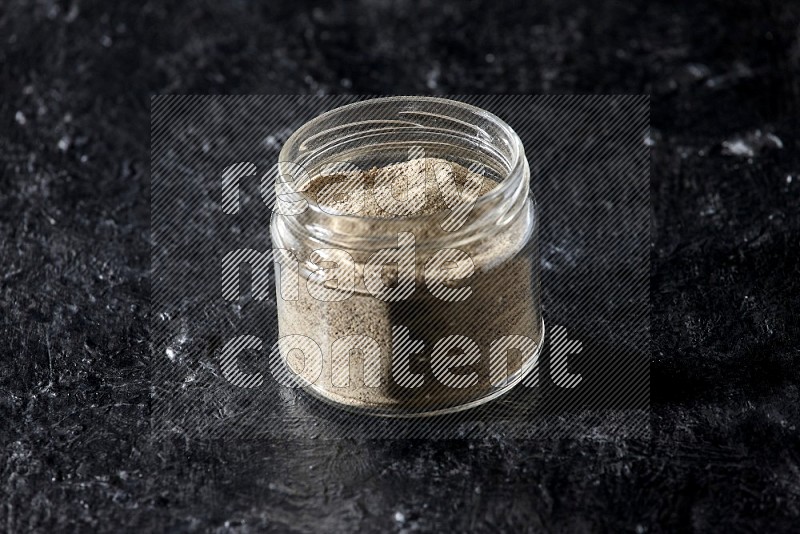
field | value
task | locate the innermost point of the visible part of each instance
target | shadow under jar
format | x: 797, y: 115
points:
x: 408, y: 352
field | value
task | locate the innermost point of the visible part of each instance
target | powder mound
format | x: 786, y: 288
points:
x: 420, y: 186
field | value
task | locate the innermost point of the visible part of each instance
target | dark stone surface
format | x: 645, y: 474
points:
x: 74, y: 388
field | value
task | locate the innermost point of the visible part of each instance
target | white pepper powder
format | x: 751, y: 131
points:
x: 504, y: 299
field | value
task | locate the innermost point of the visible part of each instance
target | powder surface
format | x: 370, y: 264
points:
x: 420, y: 186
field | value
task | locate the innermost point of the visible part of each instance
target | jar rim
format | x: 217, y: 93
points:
x: 516, y: 163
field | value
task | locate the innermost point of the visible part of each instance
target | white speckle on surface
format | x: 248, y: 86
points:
x: 272, y: 142
x: 400, y: 517
x: 72, y: 14
x: 63, y: 143
x: 432, y: 78
x: 191, y: 377
x: 788, y: 178
x: 738, y: 72
x: 170, y: 354
x: 774, y: 140
x: 737, y: 148
x: 712, y: 207
x: 698, y: 71
x: 751, y: 145
x: 20, y: 118
x: 182, y: 338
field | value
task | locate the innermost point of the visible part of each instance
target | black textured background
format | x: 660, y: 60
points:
x: 74, y: 141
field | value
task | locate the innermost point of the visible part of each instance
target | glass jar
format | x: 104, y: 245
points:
x: 469, y: 327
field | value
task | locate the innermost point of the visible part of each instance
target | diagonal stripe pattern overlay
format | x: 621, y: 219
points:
x: 589, y: 166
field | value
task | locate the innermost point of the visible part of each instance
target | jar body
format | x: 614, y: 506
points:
x: 421, y: 354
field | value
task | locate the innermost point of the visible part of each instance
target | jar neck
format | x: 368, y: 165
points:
x: 386, y: 128
x: 491, y: 215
